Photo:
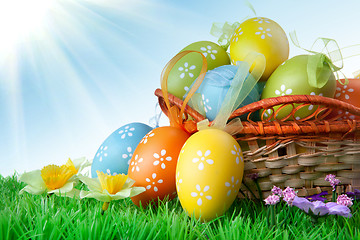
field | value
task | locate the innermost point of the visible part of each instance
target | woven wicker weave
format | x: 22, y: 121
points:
x: 296, y: 153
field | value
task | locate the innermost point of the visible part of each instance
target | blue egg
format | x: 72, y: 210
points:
x: 216, y: 85
x: 114, y: 154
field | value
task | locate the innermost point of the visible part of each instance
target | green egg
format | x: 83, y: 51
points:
x: 291, y: 78
x: 187, y: 69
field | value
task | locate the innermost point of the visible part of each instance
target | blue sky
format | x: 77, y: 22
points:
x: 87, y: 67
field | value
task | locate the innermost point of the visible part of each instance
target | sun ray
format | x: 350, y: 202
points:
x: 72, y: 71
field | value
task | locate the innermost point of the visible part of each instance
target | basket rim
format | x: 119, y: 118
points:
x: 281, y: 127
x: 274, y: 101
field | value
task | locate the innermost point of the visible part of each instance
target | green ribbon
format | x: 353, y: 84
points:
x: 317, y: 72
x: 349, y: 52
x: 224, y: 32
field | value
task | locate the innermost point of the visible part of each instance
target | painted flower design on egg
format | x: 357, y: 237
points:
x: 267, y: 113
x: 310, y: 107
x: 160, y: 159
x: 236, y: 152
x: 109, y: 172
x: 203, y: 159
x: 313, y: 94
x: 153, y: 182
x: 206, y: 103
x: 135, y: 163
x: 236, y: 35
x: 283, y: 91
x: 127, y: 131
x: 345, y: 90
x: 264, y: 32
x: 102, y: 153
x: 231, y: 185
x: 179, y: 181
x: 261, y: 20
x: 239, y: 31
x: 186, y: 69
x: 208, y: 50
x: 347, y: 115
x: 128, y: 155
x: 148, y: 135
x: 201, y: 194
x: 182, y: 149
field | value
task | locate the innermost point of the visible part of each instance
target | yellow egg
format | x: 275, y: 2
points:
x: 209, y: 173
x: 261, y: 35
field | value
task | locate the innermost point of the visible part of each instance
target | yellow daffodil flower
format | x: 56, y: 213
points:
x: 60, y: 180
x: 106, y: 188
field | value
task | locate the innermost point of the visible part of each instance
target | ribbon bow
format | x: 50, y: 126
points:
x: 224, y: 32
x: 175, y: 115
x: 318, y: 75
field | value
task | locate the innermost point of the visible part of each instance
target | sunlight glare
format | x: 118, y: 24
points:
x: 21, y: 18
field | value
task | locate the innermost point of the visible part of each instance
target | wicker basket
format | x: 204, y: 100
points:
x: 296, y: 153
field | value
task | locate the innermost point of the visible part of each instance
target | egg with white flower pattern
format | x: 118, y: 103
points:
x: 261, y: 35
x: 153, y: 164
x: 187, y: 69
x: 215, y: 86
x: 349, y: 93
x: 209, y: 173
x: 114, y: 154
x: 291, y: 78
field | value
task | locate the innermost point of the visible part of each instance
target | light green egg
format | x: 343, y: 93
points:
x: 187, y: 69
x: 291, y: 78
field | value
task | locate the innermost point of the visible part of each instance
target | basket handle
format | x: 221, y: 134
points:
x: 299, y: 99
x: 177, y: 102
x: 267, y: 103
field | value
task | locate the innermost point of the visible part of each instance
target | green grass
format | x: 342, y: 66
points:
x: 40, y: 217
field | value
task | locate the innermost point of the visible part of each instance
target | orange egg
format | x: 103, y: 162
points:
x: 153, y: 164
x: 349, y: 93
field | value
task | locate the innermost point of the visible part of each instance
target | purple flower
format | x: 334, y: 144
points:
x: 253, y: 176
x: 272, y: 199
x: 319, y: 208
x: 289, y: 194
x: 329, y: 177
x: 344, y: 200
x: 336, y: 209
x: 317, y: 197
x: 332, y: 180
x: 277, y: 191
x: 354, y: 195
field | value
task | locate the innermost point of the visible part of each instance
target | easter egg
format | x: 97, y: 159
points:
x: 349, y: 93
x: 291, y: 78
x: 215, y: 86
x: 261, y: 35
x: 153, y: 164
x: 209, y: 173
x: 114, y: 154
x: 187, y: 69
